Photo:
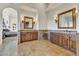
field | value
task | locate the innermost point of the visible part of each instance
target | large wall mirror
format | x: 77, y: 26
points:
x: 28, y: 22
x: 67, y: 19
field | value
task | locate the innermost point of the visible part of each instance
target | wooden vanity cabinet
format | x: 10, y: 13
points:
x: 28, y: 36
x: 67, y: 41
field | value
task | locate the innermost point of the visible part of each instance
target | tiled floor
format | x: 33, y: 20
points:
x: 9, y: 47
x: 42, y: 48
x: 32, y: 48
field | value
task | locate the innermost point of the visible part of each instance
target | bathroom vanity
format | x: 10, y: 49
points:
x: 28, y: 35
x: 66, y: 40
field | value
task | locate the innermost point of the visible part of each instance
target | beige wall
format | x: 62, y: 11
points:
x: 42, y: 17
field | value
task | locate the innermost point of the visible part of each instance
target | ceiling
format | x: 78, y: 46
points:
x: 35, y: 6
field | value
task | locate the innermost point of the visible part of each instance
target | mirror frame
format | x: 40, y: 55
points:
x: 28, y: 18
x: 73, y: 19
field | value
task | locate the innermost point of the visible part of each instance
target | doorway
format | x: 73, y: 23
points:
x: 10, y: 31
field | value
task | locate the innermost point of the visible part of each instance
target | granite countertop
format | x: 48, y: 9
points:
x: 28, y: 30
x: 33, y: 30
x: 56, y: 31
x: 64, y: 31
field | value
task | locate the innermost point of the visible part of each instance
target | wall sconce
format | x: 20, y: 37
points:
x: 34, y: 21
x: 76, y: 10
x: 23, y: 21
x: 56, y: 20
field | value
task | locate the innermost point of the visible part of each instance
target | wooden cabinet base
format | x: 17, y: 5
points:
x: 67, y: 41
x: 28, y: 36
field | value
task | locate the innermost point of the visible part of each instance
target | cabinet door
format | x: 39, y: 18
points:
x: 22, y: 37
x: 35, y: 35
x: 57, y: 38
x: 73, y: 42
x: 65, y: 40
x: 29, y: 36
x: 61, y: 40
x: 32, y: 35
x: 54, y: 37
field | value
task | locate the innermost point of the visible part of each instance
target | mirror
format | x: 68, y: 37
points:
x: 67, y: 19
x: 28, y: 22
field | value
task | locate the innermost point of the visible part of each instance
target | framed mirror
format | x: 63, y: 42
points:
x: 28, y: 22
x: 67, y: 19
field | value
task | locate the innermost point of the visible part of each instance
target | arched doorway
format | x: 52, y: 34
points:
x: 10, y: 31
x: 10, y: 19
x: 9, y: 23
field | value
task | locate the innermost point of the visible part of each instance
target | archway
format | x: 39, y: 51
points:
x: 9, y: 31
x: 9, y: 18
x: 10, y: 23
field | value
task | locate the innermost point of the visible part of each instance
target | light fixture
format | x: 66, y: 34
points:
x: 55, y: 18
x: 23, y: 21
x: 34, y: 21
x: 76, y: 11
